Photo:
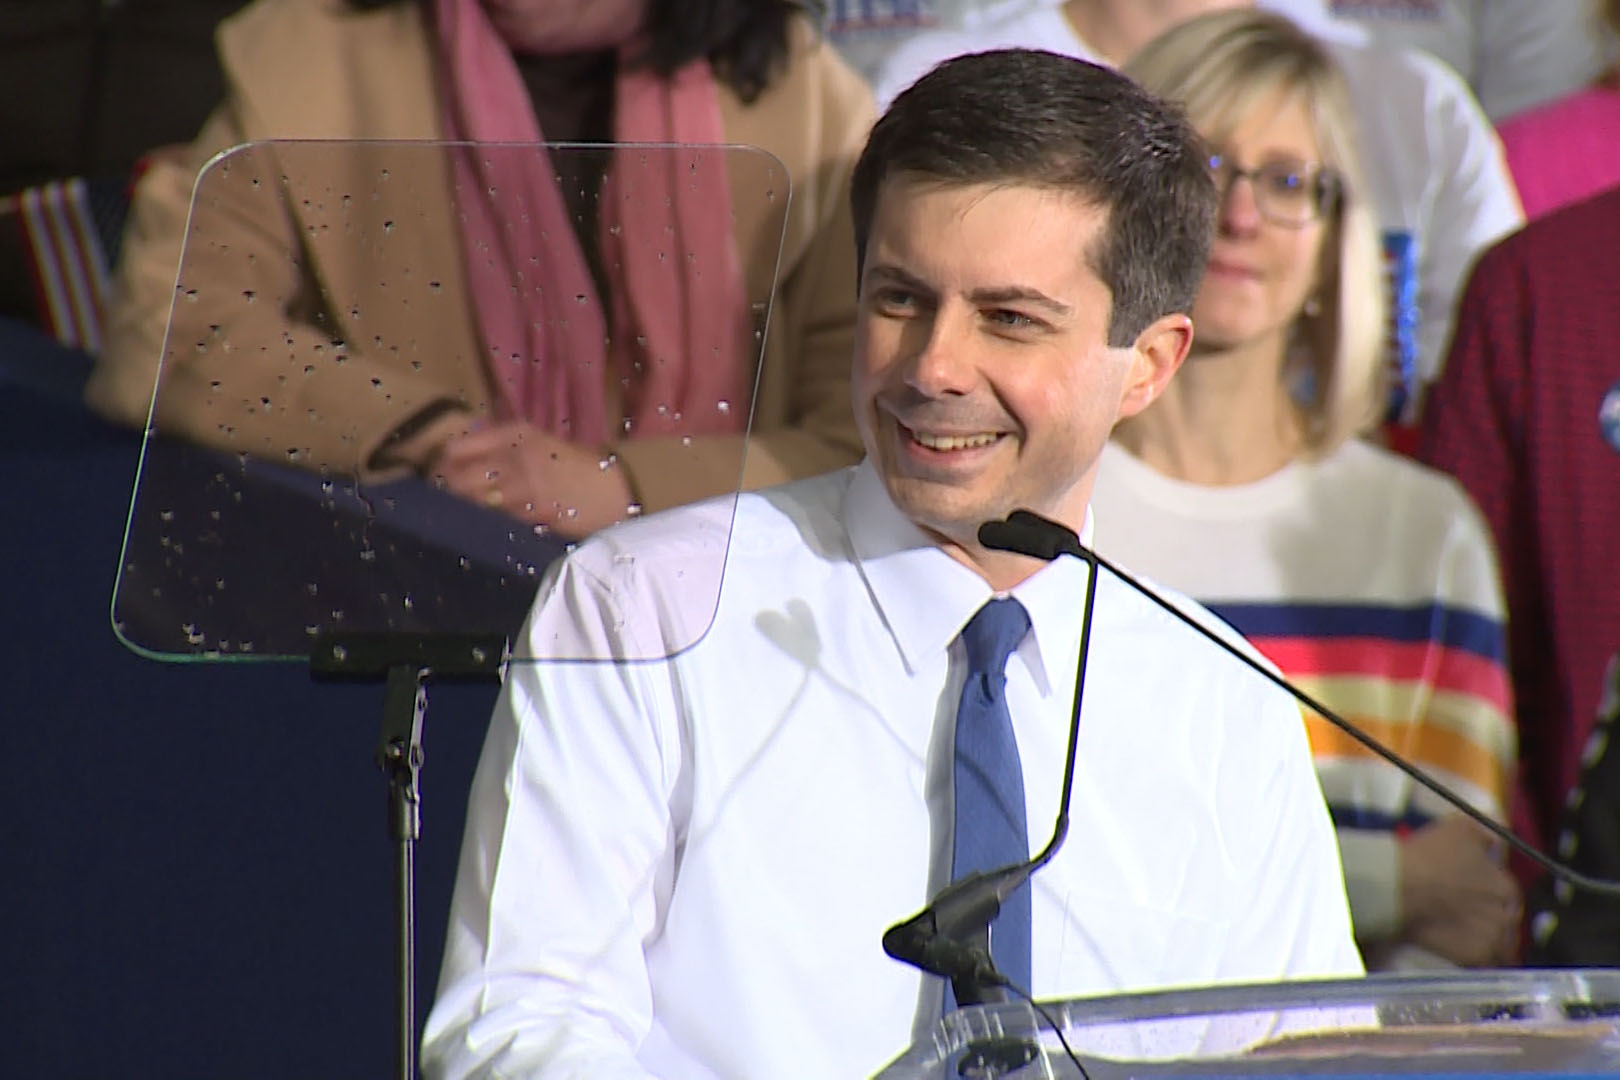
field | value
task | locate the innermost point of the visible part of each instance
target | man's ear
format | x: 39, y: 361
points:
x: 1156, y: 355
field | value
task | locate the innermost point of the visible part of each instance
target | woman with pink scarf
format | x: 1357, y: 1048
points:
x: 502, y: 328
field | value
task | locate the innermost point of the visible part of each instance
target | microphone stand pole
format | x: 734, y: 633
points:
x: 405, y: 662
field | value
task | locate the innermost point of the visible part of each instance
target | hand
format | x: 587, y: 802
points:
x: 1457, y: 899
x: 536, y: 476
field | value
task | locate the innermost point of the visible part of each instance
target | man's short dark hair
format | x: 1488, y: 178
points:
x: 1024, y: 117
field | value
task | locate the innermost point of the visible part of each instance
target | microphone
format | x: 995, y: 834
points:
x: 1027, y: 533
x: 951, y: 936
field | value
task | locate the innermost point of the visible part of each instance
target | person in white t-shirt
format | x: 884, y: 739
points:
x: 1514, y: 54
x: 682, y: 864
x: 865, y: 32
x: 1435, y: 172
x: 1366, y: 577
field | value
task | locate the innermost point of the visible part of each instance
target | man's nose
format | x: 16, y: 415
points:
x: 940, y: 355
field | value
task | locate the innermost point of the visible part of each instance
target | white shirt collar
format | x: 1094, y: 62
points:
x: 926, y: 597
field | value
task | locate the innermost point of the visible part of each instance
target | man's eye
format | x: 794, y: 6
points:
x: 1011, y: 320
x: 895, y: 299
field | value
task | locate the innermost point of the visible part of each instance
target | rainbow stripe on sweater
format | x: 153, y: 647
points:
x: 1428, y: 680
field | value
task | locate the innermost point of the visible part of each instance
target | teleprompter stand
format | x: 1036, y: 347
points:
x: 405, y: 663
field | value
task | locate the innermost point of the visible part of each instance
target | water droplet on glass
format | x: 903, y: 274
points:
x: 388, y: 226
x: 608, y: 462
x: 408, y: 602
x: 723, y: 406
x: 340, y: 652
x: 249, y: 295
x: 165, y: 515
x: 436, y: 286
x: 571, y: 513
x: 633, y: 510
x: 580, y: 298
x: 686, y: 440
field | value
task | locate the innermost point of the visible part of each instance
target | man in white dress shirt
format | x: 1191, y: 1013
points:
x: 681, y: 864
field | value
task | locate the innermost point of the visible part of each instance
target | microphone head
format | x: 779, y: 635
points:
x: 1025, y: 532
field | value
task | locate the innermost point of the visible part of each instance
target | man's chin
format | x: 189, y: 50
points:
x: 943, y: 509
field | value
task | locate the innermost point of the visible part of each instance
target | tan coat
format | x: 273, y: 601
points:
x: 309, y: 327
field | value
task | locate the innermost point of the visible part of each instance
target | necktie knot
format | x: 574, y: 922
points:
x: 991, y: 636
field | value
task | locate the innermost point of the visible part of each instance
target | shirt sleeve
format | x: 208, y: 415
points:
x: 1471, y: 205
x: 1372, y: 880
x: 566, y: 865
x: 1470, y: 691
x: 1530, y: 54
x: 1298, y: 925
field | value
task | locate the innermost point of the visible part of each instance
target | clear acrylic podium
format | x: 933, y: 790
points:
x: 1527, y: 1023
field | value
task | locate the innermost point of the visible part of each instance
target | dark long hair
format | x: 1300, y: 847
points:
x: 745, y: 40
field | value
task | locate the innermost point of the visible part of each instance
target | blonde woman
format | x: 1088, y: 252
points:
x: 1367, y: 578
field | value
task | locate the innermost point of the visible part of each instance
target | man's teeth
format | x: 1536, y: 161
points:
x: 953, y: 442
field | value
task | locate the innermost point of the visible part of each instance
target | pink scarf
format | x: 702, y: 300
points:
x: 676, y: 339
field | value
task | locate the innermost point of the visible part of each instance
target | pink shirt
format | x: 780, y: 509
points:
x: 1565, y: 151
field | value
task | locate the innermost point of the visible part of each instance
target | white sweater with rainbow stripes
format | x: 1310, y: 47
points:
x: 1371, y: 582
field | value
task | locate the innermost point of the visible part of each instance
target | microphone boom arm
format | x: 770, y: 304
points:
x: 1027, y: 533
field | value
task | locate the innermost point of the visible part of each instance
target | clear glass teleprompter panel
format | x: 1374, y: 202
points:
x: 337, y: 300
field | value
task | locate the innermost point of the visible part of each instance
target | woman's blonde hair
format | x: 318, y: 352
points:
x: 1221, y: 66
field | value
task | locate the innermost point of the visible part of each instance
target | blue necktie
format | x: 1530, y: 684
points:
x: 990, y: 827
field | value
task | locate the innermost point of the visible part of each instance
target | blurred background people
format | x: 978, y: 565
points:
x: 1569, y: 149
x: 552, y: 369
x: 1436, y: 180
x: 866, y: 31
x: 1514, y: 55
x: 1573, y: 927
x: 1367, y: 578
x: 1527, y: 417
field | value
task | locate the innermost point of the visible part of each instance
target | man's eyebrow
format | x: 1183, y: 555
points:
x: 893, y: 273
x: 1009, y: 293
x: 996, y: 295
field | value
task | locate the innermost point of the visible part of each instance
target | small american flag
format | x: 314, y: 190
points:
x: 70, y: 232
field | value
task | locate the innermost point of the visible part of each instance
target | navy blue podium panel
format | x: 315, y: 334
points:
x: 197, y: 866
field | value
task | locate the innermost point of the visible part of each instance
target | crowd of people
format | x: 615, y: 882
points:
x: 1242, y: 294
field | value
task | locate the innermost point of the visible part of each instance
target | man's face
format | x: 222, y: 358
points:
x: 983, y: 379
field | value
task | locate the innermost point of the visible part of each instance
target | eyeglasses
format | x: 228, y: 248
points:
x: 1285, y: 192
